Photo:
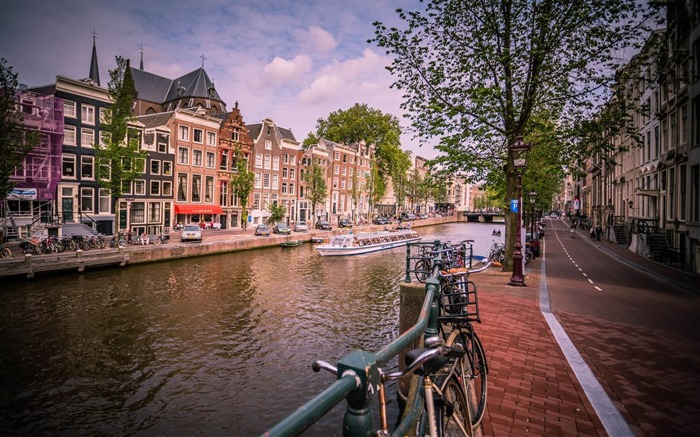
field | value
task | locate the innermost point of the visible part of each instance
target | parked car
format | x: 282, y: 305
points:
x: 301, y: 227
x: 422, y: 216
x: 281, y: 228
x: 323, y: 225
x: 533, y: 244
x: 191, y: 233
x: 262, y: 230
x: 344, y: 223
x: 380, y: 220
x: 407, y: 216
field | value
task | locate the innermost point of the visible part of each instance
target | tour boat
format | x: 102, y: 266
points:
x: 355, y: 244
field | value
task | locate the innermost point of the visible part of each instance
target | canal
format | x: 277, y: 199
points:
x: 217, y: 345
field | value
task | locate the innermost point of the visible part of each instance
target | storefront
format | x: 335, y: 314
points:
x: 198, y: 214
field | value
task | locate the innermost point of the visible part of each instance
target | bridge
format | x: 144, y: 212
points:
x: 484, y: 216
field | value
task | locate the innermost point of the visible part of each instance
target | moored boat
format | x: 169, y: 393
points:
x: 292, y: 243
x: 356, y: 244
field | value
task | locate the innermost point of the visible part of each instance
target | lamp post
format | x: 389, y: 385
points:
x: 533, y: 199
x: 518, y: 151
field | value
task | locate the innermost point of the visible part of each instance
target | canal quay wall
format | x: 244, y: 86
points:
x: 214, y: 242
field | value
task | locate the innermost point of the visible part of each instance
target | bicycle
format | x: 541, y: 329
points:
x: 446, y: 409
x: 5, y: 252
x: 459, y: 307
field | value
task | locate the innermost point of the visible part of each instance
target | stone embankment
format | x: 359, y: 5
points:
x: 214, y: 242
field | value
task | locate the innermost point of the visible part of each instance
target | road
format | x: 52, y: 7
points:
x: 639, y: 335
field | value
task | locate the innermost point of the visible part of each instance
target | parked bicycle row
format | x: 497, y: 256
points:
x: 451, y: 367
x: 69, y: 243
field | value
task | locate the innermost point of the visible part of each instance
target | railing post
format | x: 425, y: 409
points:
x: 358, y: 420
x: 408, y: 263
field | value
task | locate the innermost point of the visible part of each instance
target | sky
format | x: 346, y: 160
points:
x: 292, y: 61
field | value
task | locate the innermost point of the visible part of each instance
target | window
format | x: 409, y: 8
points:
x: 211, y: 139
x: 197, y: 158
x: 235, y: 135
x: 87, y: 138
x: 138, y: 212
x: 285, y: 159
x: 211, y: 159
x: 154, y: 212
x: 87, y: 199
x: 87, y: 167
x: 224, y: 160
x: 155, y: 166
x: 167, y: 168
x: 103, y: 114
x: 196, y: 188
x: 105, y: 206
x: 139, y: 186
x: 337, y: 156
x: 258, y: 160
x: 197, y: 135
x: 268, y: 145
x: 695, y: 193
x: 104, y: 138
x: 126, y: 187
x: 258, y: 180
x: 284, y: 188
x: 682, y: 204
x: 182, y: 187
x: 183, y: 133
x: 267, y: 162
x: 162, y: 148
x: 183, y: 156
x: 223, y: 194
x: 276, y: 163
x: 87, y: 114
x: 256, y: 201
x: 336, y: 169
x: 275, y: 182
x: 293, y: 160
x: 155, y: 188
x: 209, y: 189
x: 69, y: 135
x: 291, y: 173
x: 167, y: 188
x: 105, y: 171
x: 284, y: 173
x: 68, y: 167
x: 266, y: 180
x: 345, y: 171
x: 69, y: 109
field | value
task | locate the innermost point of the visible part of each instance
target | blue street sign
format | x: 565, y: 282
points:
x: 514, y: 205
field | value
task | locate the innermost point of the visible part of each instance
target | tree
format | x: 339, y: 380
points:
x: 277, y: 213
x: 362, y: 123
x: 118, y: 151
x: 316, y: 190
x: 242, y: 182
x: 478, y: 74
x: 15, y: 140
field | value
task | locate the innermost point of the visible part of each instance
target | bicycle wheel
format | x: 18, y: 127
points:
x: 422, y: 269
x: 6, y: 253
x: 156, y: 240
x: 452, y: 411
x: 473, y: 370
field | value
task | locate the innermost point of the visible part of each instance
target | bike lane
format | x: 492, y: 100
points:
x: 635, y: 330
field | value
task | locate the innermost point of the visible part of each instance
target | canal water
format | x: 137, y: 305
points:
x: 217, y: 345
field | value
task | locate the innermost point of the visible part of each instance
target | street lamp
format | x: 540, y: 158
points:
x: 518, y: 151
x: 533, y: 199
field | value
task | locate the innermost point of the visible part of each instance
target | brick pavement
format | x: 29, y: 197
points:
x: 531, y: 388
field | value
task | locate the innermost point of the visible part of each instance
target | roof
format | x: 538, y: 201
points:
x: 282, y: 133
x: 155, y: 120
x: 154, y: 88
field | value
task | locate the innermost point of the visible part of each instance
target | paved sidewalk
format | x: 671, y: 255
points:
x: 532, y: 389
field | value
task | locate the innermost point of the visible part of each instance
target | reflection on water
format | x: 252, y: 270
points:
x: 211, y: 345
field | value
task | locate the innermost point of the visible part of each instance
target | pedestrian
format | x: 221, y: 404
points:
x: 598, y: 231
x: 592, y: 232
x: 144, y: 238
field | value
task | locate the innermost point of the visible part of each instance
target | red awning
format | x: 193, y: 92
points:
x: 198, y: 209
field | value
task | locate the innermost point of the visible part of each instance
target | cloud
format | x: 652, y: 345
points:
x: 281, y: 71
x: 321, y: 40
x: 345, y: 78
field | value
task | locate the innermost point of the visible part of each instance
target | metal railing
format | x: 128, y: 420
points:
x: 359, y: 376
